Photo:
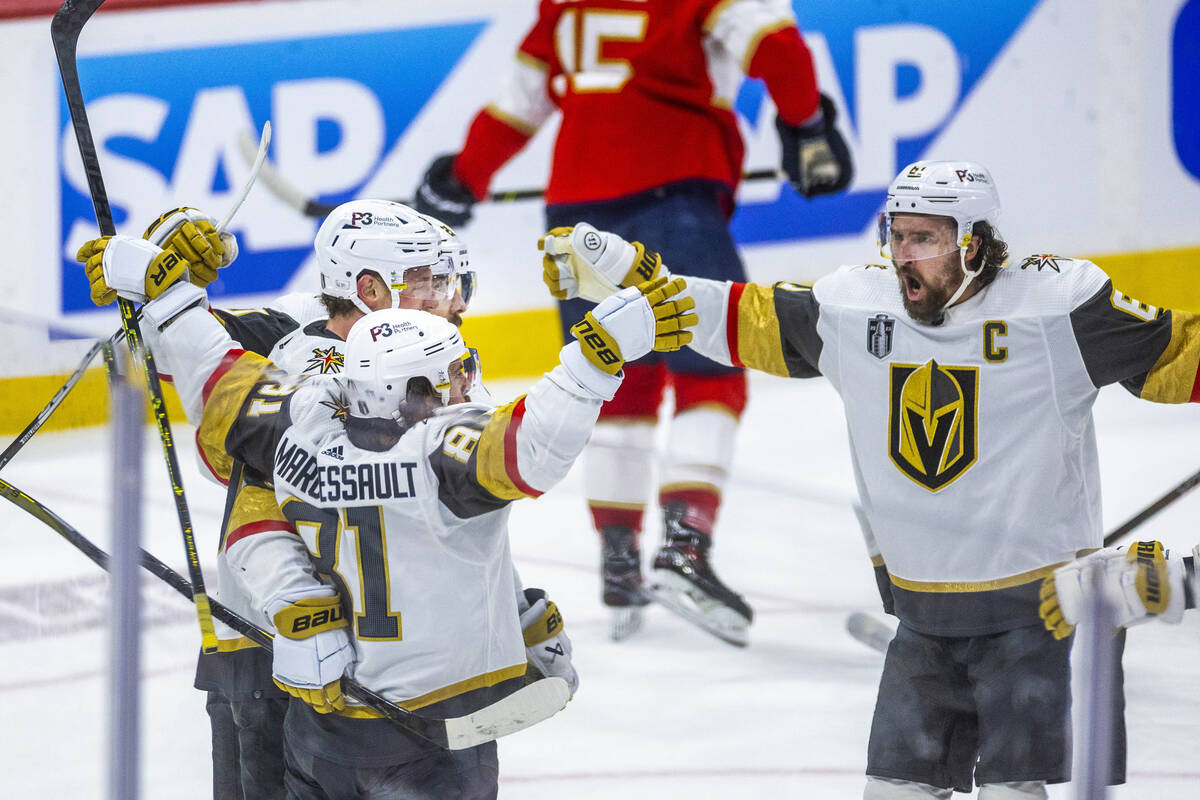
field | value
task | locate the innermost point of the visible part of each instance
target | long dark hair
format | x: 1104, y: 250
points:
x: 992, y: 253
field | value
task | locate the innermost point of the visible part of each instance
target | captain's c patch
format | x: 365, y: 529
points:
x: 933, y: 421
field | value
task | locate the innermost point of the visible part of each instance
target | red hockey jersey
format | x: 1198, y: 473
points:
x: 646, y: 90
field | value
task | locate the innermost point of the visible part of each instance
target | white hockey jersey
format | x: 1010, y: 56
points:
x: 308, y: 349
x: 415, y: 536
x: 972, y: 441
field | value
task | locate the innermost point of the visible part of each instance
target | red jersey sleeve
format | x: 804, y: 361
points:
x: 504, y: 126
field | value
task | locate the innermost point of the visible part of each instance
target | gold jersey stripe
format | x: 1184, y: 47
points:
x: 759, y: 345
x: 688, y: 486
x: 1173, y: 376
x: 437, y: 695
x: 717, y: 11
x: 496, y: 454
x: 756, y: 39
x: 233, y: 645
x: 511, y: 120
x: 876, y: 561
x: 255, y: 504
x: 221, y: 407
x: 616, y: 504
x: 975, y: 586
x: 532, y: 61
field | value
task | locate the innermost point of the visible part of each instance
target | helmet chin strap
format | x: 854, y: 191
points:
x: 363, y: 307
x: 968, y: 276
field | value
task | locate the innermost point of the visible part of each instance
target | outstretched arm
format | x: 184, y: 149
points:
x: 767, y: 328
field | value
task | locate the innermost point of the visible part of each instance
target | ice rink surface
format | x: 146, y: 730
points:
x: 671, y: 713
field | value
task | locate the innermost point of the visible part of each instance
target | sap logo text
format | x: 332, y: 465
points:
x: 167, y: 124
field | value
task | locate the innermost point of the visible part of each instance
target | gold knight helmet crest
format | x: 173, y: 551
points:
x: 933, y: 422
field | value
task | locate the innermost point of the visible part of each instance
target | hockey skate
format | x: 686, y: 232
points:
x: 685, y: 583
x: 621, y: 571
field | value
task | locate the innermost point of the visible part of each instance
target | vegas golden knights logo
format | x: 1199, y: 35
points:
x: 933, y: 421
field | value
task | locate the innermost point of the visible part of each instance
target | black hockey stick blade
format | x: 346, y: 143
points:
x: 64, y: 33
x: 289, y: 193
x: 527, y: 706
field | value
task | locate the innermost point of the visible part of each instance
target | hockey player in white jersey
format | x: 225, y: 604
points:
x: 400, y: 505
x: 398, y: 258
x: 968, y: 391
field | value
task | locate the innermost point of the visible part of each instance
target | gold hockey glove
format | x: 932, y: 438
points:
x: 193, y: 237
x: 313, y: 648
x: 129, y: 267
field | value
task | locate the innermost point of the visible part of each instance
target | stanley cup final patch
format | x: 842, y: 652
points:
x: 933, y: 421
x: 879, y: 335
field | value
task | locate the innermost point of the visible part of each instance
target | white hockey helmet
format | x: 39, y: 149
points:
x: 387, y: 238
x: 455, y: 263
x: 387, y: 349
x: 962, y: 190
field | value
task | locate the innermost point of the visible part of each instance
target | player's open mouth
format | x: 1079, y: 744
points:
x: 912, y: 287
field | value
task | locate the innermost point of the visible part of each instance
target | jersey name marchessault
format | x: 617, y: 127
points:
x: 368, y: 482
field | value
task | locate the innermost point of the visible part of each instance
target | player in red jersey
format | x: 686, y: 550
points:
x: 649, y: 147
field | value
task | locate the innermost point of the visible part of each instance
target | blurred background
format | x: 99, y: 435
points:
x: 1087, y: 113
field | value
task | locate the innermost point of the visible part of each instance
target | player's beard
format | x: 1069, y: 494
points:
x: 924, y: 299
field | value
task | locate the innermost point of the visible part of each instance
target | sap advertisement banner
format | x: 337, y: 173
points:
x: 1085, y: 112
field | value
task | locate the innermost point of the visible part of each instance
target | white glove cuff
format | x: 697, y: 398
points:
x: 124, y: 263
x: 162, y: 310
x: 593, y: 381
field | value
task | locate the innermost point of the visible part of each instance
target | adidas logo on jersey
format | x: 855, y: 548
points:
x: 334, y: 452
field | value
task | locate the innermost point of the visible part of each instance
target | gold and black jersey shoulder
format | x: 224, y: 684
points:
x: 246, y: 411
x: 256, y: 329
x: 477, y: 464
x: 1153, y: 352
x: 456, y: 461
x: 774, y: 329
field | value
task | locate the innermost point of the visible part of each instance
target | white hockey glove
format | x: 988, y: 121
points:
x: 593, y: 264
x: 546, y: 644
x: 129, y: 267
x: 192, y: 235
x: 313, y: 647
x: 1138, y: 582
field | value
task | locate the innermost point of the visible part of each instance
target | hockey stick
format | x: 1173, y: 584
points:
x: 66, y: 388
x: 64, y: 33
x: 260, y: 158
x: 1123, y: 530
x: 56, y: 401
x: 876, y: 633
x: 286, y: 191
x: 527, y: 706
